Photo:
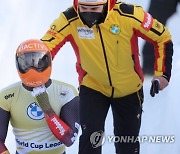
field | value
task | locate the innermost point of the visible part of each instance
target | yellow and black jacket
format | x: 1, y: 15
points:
x: 108, y: 54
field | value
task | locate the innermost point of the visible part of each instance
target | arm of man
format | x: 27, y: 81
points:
x: 70, y: 115
x: 3, y: 130
x: 60, y: 32
x: 156, y: 33
x: 64, y: 128
x: 57, y: 35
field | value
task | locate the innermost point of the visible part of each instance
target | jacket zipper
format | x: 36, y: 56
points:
x: 117, y: 52
x: 106, y: 61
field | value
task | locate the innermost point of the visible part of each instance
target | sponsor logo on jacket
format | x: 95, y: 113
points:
x: 147, y: 22
x: 35, y: 112
x: 85, y: 33
x: 9, y: 96
x: 52, y: 32
x: 114, y: 29
x: 58, y: 125
x: 63, y: 94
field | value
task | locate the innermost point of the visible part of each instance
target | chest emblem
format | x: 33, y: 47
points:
x: 114, y: 29
x: 35, y: 112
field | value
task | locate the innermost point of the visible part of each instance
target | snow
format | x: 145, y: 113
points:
x: 21, y: 20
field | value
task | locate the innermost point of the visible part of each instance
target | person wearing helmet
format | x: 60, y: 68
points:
x: 44, y: 113
x: 104, y: 35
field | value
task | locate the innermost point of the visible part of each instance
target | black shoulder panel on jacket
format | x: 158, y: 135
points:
x: 127, y: 9
x: 70, y: 13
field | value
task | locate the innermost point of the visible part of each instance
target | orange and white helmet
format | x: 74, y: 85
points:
x: 33, y: 62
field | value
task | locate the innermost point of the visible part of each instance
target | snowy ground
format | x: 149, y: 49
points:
x: 21, y: 20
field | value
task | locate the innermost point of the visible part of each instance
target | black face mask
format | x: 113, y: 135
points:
x: 92, y: 18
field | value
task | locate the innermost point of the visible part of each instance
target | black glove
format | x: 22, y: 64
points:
x: 154, y: 88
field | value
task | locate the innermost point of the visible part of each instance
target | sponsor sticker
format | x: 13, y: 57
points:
x: 52, y: 32
x: 85, y: 33
x: 63, y: 94
x: 147, y: 22
x: 9, y: 96
x: 114, y: 29
x: 34, y: 46
x: 35, y: 112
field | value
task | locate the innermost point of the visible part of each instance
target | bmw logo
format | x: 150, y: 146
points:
x: 35, y: 112
x: 114, y: 29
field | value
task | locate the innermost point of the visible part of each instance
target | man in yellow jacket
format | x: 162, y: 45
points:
x: 104, y: 35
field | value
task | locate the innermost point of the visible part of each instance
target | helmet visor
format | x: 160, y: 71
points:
x: 38, y: 61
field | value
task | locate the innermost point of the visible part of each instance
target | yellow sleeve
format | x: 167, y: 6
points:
x: 57, y: 35
x: 5, y: 99
x: 9, y: 95
x: 153, y: 31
